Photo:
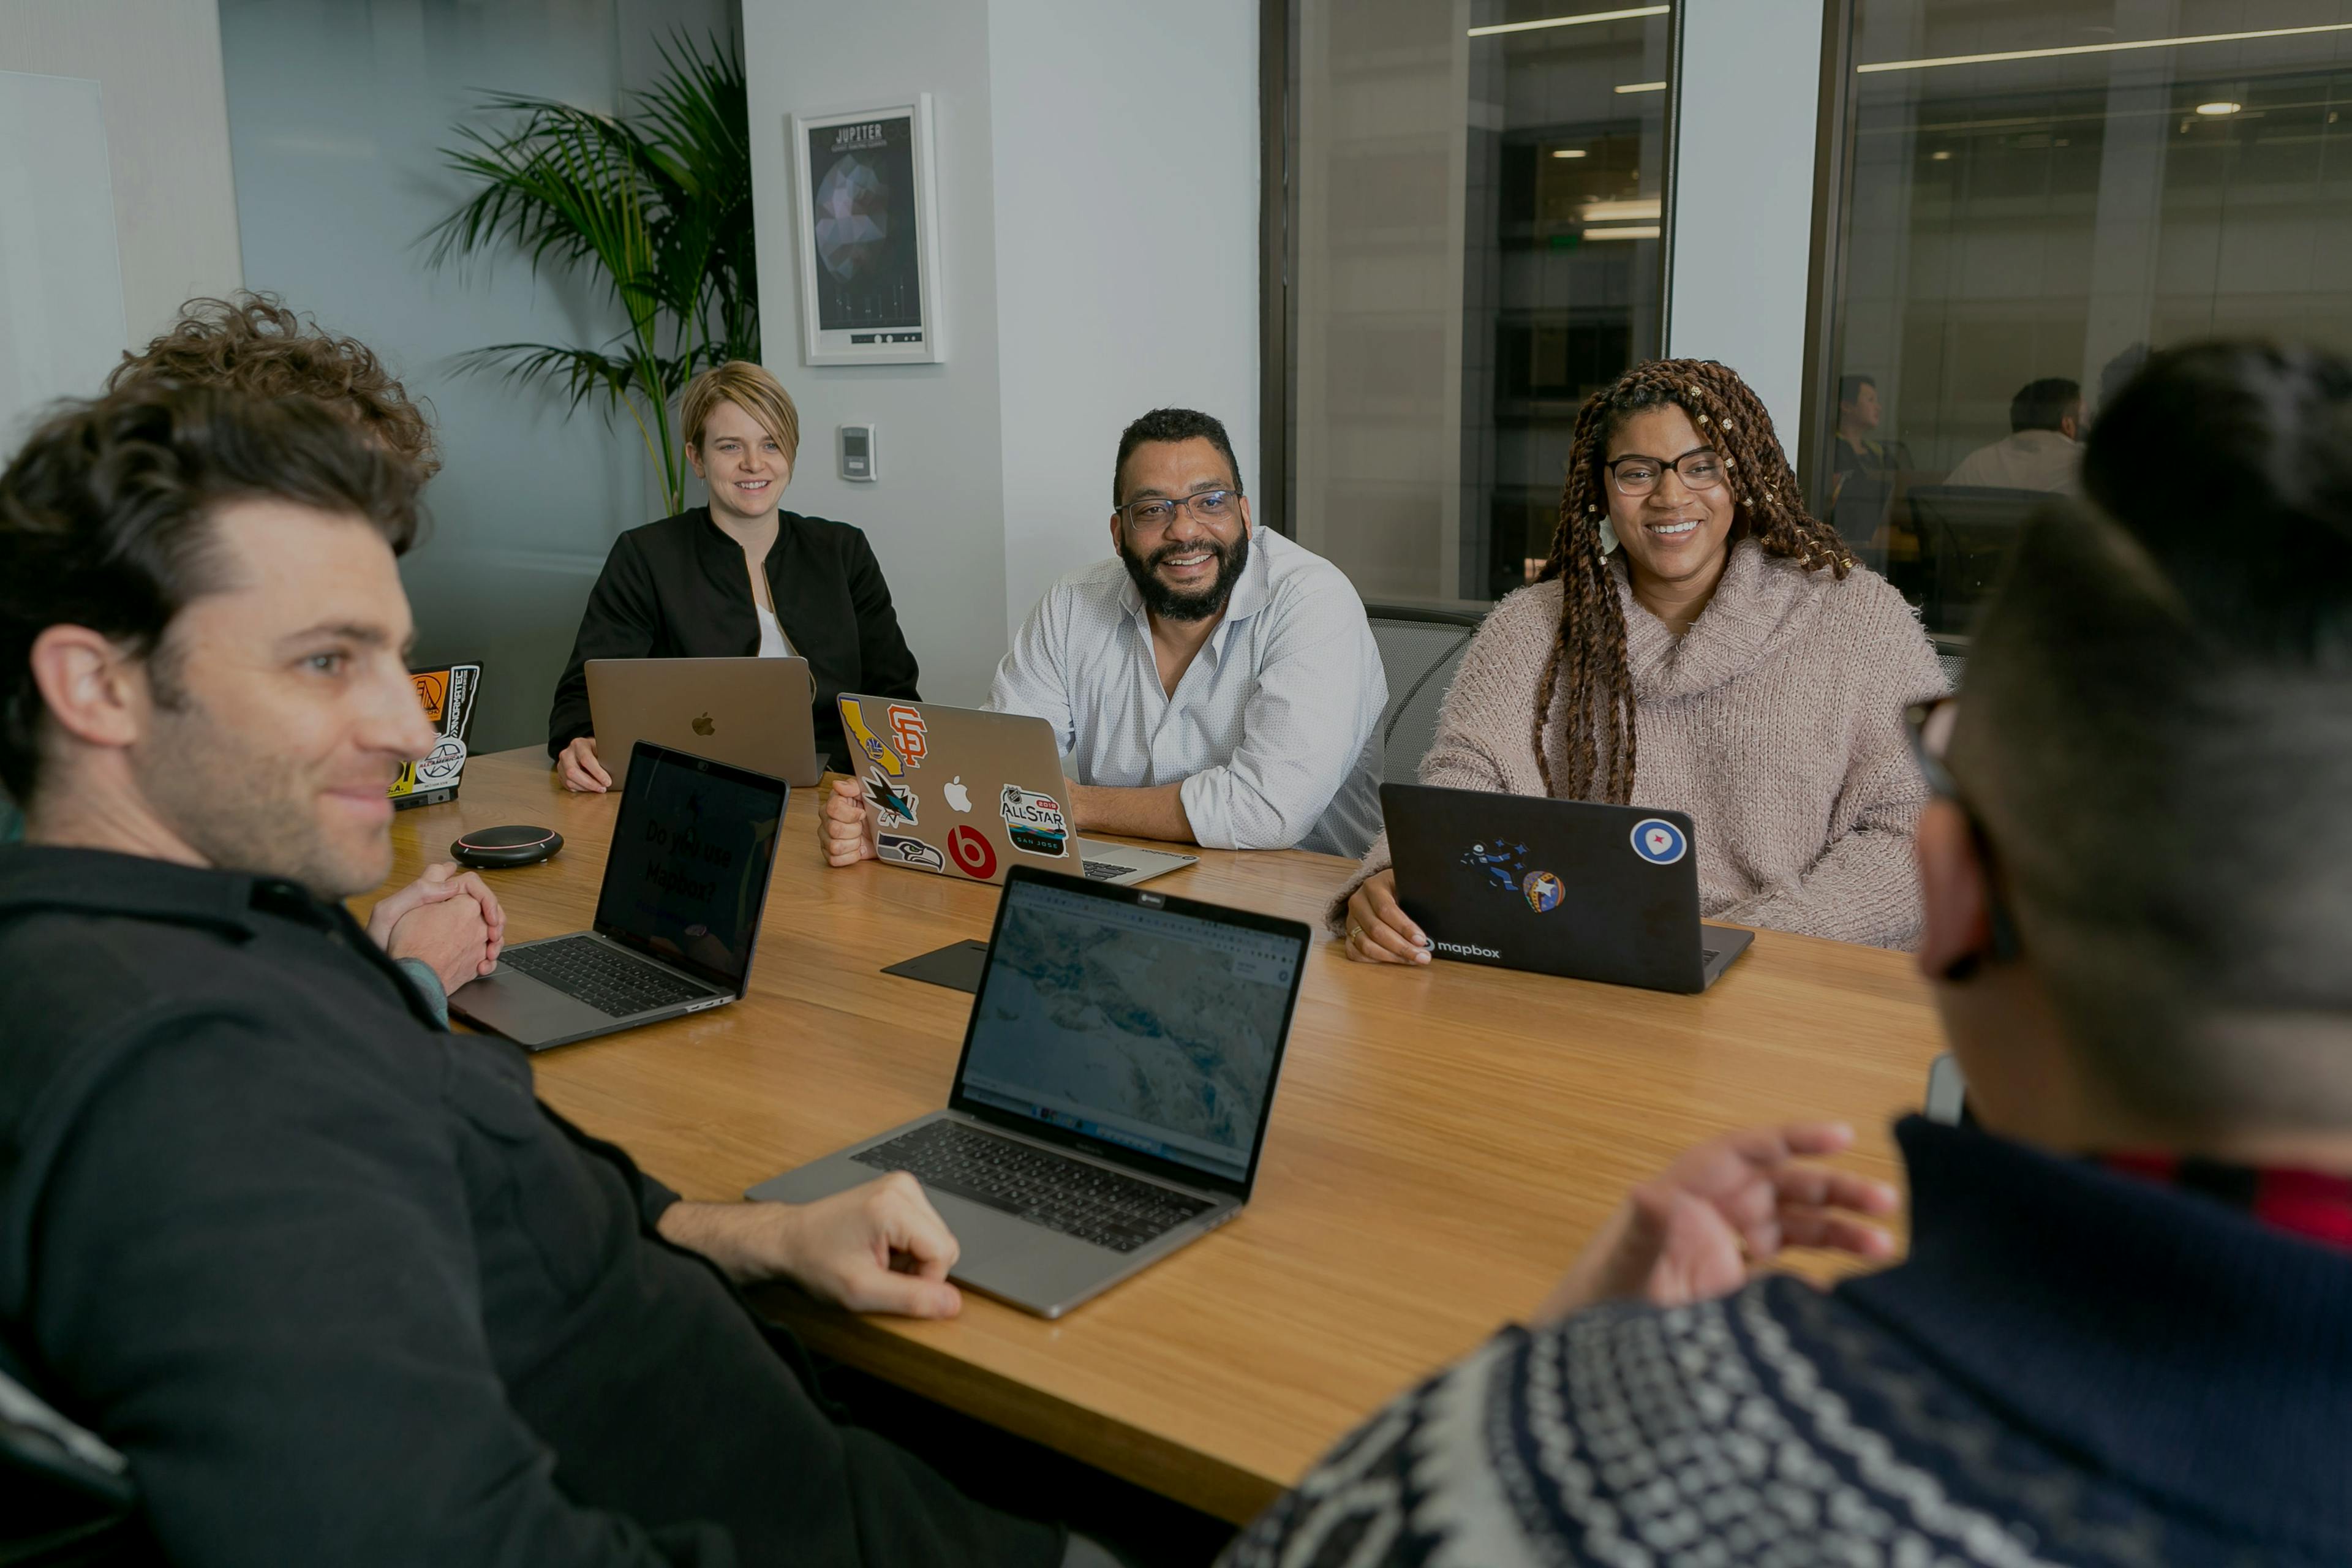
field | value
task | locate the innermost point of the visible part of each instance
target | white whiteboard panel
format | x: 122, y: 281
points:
x: 61, y: 327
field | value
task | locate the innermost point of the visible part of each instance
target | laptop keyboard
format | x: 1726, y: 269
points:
x: 615, y: 983
x: 1045, y: 1188
x: 1102, y: 870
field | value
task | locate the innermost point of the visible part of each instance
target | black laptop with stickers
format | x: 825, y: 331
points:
x: 1558, y: 887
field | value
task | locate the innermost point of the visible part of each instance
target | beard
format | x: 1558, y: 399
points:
x: 1168, y: 603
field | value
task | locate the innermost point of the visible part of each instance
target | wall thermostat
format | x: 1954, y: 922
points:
x: 861, y: 457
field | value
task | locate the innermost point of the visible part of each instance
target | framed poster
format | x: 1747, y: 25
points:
x: 868, y: 236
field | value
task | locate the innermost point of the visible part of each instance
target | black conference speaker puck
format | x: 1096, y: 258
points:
x: 497, y: 848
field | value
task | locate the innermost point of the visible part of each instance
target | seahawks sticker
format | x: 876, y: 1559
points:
x: 1659, y: 842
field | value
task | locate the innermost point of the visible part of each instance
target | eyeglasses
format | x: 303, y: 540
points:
x: 1931, y: 724
x: 1153, y: 513
x: 1636, y: 475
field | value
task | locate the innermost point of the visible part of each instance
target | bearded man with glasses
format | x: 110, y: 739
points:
x: 1215, y: 684
x: 2124, y: 1332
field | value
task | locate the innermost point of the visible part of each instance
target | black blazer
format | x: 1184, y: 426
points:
x: 676, y: 589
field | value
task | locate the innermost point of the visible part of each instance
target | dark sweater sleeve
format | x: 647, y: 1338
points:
x: 622, y: 621
x: 255, y: 1276
x: 889, y: 664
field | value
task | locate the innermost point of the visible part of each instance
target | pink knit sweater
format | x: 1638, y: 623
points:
x: 1776, y: 721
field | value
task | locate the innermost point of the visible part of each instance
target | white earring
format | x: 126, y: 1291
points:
x: 1607, y: 538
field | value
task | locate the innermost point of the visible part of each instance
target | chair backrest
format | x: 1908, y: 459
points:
x: 1419, y: 649
x: 1966, y: 532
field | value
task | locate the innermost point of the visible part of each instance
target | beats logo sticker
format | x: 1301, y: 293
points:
x: 972, y: 853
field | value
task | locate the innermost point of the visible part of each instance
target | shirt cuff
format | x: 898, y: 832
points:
x: 428, y: 986
x: 1206, y: 810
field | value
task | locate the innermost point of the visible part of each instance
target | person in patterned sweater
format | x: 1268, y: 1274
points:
x: 2123, y: 1333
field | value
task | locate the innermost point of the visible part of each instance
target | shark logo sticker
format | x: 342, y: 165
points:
x: 894, y: 803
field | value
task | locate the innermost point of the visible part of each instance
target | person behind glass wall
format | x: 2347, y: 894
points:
x: 737, y: 577
x: 1856, y: 450
x: 1212, y: 683
x: 2124, y: 1332
x: 2040, y: 453
x: 1697, y: 642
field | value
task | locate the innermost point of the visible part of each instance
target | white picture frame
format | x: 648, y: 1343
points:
x: 862, y: 178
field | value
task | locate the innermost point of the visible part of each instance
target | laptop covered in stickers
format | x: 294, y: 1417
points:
x: 1558, y: 887
x: 958, y: 792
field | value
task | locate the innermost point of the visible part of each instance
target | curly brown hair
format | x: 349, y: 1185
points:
x: 254, y: 344
x: 1590, y: 651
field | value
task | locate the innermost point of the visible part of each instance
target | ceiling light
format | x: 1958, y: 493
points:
x: 1649, y: 233
x: 2098, y: 49
x: 1619, y: 212
x: 2219, y: 106
x: 1568, y: 151
x: 1625, y: 15
x: 1639, y: 87
x: 1940, y: 157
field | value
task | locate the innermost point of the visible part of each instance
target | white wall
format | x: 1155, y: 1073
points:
x: 1750, y: 96
x: 60, y: 273
x: 158, y: 67
x: 1064, y: 127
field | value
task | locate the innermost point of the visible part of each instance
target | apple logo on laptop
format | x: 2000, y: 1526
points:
x: 959, y: 798
x: 702, y: 724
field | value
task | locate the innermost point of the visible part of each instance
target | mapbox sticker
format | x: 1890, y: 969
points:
x: 894, y: 803
x: 1658, y: 841
x: 1033, y: 822
x: 910, y: 852
x: 972, y: 853
x: 906, y: 728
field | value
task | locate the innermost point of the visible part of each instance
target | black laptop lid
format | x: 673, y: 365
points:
x: 1139, y: 1028
x: 1560, y: 887
x: 693, y: 848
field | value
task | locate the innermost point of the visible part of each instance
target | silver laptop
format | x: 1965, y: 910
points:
x: 1111, y: 1104
x: 959, y: 792
x: 753, y: 712
x: 685, y: 879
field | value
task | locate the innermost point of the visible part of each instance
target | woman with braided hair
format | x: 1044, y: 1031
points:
x: 1696, y: 642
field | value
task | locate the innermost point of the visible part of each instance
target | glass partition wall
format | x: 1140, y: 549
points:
x: 1480, y: 195
x: 2035, y: 193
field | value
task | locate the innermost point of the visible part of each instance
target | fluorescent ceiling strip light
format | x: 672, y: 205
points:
x: 1650, y: 233
x: 1625, y: 16
x: 1611, y: 212
x: 1639, y: 87
x: 2098, y: 49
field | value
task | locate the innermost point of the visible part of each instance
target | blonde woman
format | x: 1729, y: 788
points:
x: 737, y: 577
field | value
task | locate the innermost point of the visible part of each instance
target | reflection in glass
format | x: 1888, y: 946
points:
x: 2020, y: 231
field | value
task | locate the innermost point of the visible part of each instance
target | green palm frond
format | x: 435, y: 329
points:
x: 656, y: 208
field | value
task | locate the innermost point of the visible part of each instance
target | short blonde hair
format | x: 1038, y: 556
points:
x: 749, y: 388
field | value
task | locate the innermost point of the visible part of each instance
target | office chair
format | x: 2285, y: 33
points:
x: 1419, y: 649
x: 66, y: 1498
x: 1966, y: 532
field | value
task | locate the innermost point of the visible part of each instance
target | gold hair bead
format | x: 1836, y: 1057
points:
x: 1702, y: 418
x: 1729, y: 425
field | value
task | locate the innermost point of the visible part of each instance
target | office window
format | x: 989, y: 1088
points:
x: 1477, y: 196
x: 2037, y: 193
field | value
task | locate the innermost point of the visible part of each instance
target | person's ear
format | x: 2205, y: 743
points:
x: 1118, y: 546
x: 93, y: 689
x: 1245, y: 511
x: 1958, y: 929
x: 694, y: 456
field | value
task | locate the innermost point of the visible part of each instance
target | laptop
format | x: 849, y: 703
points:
x: 1111, y: 1101
x: 448, y: 692
x: 694, y: 843
x: 1560, y: 886
x: 753, y: 712
x: 959, y: 792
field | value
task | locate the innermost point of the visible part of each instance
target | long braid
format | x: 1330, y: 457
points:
x: 1590, y: 651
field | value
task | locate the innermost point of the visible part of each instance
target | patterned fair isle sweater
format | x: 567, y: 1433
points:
x: 1776, y: 721
x: 2073, y: 1366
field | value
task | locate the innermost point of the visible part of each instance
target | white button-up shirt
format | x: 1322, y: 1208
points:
x: 1274, y: 729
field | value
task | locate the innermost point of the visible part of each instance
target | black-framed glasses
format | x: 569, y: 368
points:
x: 1635, y: 474
x: 1153, y: 513
x: 1930, y: 724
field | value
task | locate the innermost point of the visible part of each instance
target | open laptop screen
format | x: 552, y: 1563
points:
x: 687, y: 874
x: 1152, y: 1029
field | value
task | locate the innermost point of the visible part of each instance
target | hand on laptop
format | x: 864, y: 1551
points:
x: 1693, y: 1233
x: 845, y: 824
x: 448, y: 919
x: 580, y: 769
x: 880, y: 1247
x: 1379, y: 930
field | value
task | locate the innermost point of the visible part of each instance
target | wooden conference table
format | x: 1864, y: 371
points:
x: 1443, y: 1138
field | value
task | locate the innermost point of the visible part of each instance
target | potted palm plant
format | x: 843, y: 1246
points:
x: 656, y: 204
